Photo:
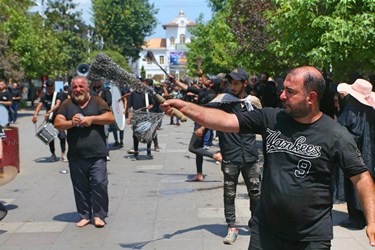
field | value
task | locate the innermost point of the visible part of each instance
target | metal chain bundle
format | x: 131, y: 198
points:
x: 144, y: 124
x: 102, y: 67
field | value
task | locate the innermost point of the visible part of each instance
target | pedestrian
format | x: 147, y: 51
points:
x: 239, y: 155
x: 302, y: 148
x: 3, y: 209
x: 204, y: 95
x: 139, y: 101
x: 84, y: 117
x: 99, y: 88
x: 358, y: 116
x: 6, y: 99
x: 51, y: 108
x: 15, y: 92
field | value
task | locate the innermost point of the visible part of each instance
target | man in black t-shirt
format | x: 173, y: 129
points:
x: 46, y: 101
x: 15, y: 92
x: 142, y: 102
x: 301, y: 148
x: 239, y: 155
x: 84, y: 117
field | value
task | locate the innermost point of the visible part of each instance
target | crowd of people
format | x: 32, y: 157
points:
x: 305, y: 148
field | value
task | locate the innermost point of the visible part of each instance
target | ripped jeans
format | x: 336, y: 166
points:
x: 251, y: 173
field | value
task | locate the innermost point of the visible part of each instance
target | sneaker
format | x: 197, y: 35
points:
x: 53, y: 158
x: 108, y: 158
x: 121, y: 143
x: 206, y: 147
x: 131, y: 151
x: 64, y: 171
x: 116, y: 144
x: 149, y: 155
x: 231, y: 236
x: 157, y: 149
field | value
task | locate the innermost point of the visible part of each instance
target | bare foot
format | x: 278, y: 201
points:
x: 82, y: 223
x: 217, y: 157
x: 198, y: 177
x: 99, y: 222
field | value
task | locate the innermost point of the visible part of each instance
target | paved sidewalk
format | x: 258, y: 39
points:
x: 151, y: 205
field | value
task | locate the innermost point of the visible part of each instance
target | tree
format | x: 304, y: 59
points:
x: 69, y: 29
x: 336, y: 35
x: 215, y: 44
x: 123, y: 25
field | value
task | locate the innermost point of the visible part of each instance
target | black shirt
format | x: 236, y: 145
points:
x: 299, y: 163
x: 237, y: 147
x: 85, y: 142
x: 137, y: 100
x: 15, y: 93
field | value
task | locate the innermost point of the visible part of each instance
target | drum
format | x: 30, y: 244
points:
x: 118, y: 107
x: 46, y: 132
x: 10, y: 164
x: 4, y: 115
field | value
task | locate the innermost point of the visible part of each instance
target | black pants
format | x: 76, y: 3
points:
x: 62, y: 138
x: 136, y: 145
x: 196, y: 147
x: 261, y: 239
x: 90, y: 184
x: 251, y: 174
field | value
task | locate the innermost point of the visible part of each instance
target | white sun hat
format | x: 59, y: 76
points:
x: 360, y: 90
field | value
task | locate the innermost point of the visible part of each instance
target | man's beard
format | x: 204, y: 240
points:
x: 298, y: 111
x: 80, y: 97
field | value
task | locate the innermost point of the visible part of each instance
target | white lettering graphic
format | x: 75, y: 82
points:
x: 276, y: 144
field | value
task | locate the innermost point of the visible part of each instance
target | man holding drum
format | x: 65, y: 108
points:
x: 84, y: 117
x: 47, y: 101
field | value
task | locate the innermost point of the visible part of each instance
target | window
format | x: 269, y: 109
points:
x: 161, y: 60
x: 172, y: 40
x: 149, y: 76
x: 182, y: 38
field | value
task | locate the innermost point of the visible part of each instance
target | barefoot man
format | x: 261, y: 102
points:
x: 84, y: 117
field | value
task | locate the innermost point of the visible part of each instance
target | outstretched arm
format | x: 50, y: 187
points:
x: 366, y: 189
x: 208, y: 117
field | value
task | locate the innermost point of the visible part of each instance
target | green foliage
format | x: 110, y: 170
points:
x: 143, y: 72
x: 327, y: 34
x: 215, y: 45
x: 123, y: 25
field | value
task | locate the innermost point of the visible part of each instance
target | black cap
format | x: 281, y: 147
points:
x: 49, y: 83
x: 238, y: 74
x: 150, y: 82
x: 214, y: 79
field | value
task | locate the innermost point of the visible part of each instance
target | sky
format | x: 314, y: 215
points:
x: 168, y: 10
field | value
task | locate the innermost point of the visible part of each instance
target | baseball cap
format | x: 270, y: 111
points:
x: 238, y: 74
x: 214, y: 79
x: 49, y: 83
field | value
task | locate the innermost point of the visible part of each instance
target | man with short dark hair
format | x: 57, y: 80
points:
x: 302, y: 148
x: 239, y: 154
x: 51, y: 108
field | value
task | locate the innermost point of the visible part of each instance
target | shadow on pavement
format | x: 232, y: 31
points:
x: 67, y: 217
x: 219, y: 230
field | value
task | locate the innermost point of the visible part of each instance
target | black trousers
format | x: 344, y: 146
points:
x: 90, y: 185
x: 196, y: 147
x: 262, y: 239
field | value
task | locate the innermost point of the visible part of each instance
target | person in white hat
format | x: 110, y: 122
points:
x: 358, y: 116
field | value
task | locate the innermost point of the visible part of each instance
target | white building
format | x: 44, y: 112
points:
x: 170, y: 51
